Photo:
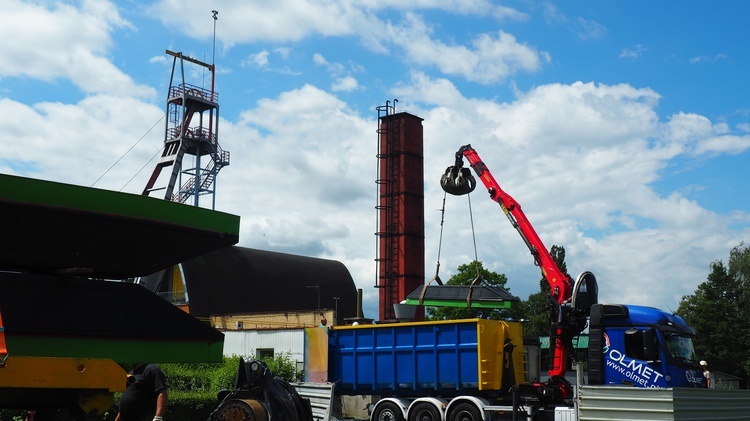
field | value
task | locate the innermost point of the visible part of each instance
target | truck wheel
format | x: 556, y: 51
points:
x: 464, y: 412
x: 424, y: 411
x: 388, y: 411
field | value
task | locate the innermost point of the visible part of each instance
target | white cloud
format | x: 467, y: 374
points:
x: 293, y: 20
x: 708, y: 59
x: 552, y: 14
x: 421, y: 88
x: 334, y: 69
x: 491, y: 59
x: 88, y: 136
x: 589, y: 29
x: 585, y: 29
x: 695, y: 134
x: 54, y: 41
x: 319, y: 60
x: 283, y: 52
x: 247, y: 22
x: 726, y: 144
x: 262, y: 60
x: 259, y: 59
x: 346, y: 84
x: 160, y: 59
x: 633, y: 52
x: 343, y: 81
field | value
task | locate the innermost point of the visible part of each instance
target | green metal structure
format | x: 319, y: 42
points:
x: 66, y: 316
x: 56, y: 228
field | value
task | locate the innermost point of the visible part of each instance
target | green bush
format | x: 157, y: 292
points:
x: 189, y: 377
x: 223, y: 376
x: 284, y: 366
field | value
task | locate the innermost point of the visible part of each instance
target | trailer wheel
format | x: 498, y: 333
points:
x: 464, y: 412
x: 388, y: 411
x: 424, y: 411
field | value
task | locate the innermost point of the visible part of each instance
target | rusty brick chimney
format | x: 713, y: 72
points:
x: 400, y: 208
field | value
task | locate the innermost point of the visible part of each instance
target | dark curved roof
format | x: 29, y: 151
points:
x: 243, y: 280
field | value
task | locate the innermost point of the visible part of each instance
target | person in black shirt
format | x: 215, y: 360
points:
x: 145, y: 398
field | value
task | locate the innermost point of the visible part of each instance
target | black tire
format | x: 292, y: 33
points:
x: 465, y: 412
x: 424, y: 411
x: 388, y: 411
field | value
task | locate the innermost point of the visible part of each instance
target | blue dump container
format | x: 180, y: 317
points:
x: 421, y: 357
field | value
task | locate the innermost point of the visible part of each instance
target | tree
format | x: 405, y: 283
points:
x: 719, y: 311
x: 536, y: 308
x: 739, y: 269
x: 465, y: 275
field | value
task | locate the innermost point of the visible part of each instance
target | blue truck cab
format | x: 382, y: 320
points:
x: 641, y: 346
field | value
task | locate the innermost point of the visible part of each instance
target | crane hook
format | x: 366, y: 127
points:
x: 458, y: 181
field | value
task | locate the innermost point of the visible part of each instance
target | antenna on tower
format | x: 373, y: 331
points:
x: 215, y: 14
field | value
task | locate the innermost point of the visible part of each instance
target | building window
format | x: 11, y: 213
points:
x: 263, y: 353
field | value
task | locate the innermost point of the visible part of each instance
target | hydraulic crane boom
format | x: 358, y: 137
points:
x: 560, y: 285
x: 566, y: 321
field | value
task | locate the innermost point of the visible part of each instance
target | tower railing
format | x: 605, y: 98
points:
x: 186, y: 89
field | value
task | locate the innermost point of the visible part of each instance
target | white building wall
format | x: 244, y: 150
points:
x: 245, y: 343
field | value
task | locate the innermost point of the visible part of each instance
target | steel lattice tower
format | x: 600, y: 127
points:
x: 192, y: 128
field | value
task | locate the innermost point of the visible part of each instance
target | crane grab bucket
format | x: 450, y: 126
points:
x: 458, y: 181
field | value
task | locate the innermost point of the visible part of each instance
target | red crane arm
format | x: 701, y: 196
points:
x: 560, y: 285
x: 458, y: 180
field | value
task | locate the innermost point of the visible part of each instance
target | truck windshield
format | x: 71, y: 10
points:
x: 680, y: 347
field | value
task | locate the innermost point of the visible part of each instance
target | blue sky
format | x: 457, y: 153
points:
x: 622, y: 127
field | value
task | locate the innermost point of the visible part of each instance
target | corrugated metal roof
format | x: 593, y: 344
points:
x: 579, y: 342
